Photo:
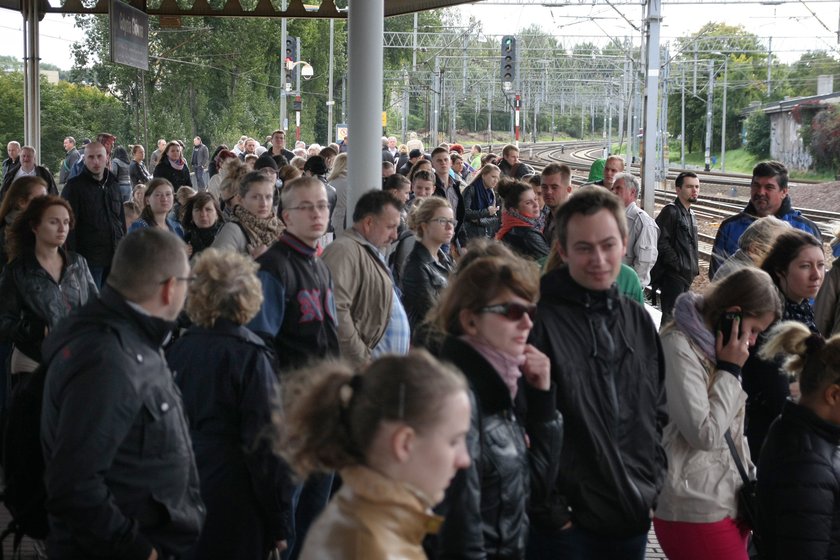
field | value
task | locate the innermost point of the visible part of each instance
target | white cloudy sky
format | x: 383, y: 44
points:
x: 793, y: 28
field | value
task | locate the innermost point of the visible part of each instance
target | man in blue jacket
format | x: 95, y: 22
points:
x: 768, y: 197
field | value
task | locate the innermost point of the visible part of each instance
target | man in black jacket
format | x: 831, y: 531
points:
x: 678, y: 262
x: 120, y: 473
x: 449, y: 187
x: 26, y: 166
x: 606, y: 360
x: 97, y: 205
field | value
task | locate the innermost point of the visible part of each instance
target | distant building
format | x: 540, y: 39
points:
x: 785, y: 140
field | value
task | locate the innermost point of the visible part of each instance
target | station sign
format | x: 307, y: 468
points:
x: 129, y: 35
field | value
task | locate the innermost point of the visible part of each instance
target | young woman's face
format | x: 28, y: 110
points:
x: 502, y: 331
x: 54, y: 226
x: 174, y: 152
x: 441, y: 227
x: 161, y: 199
x: 491, y: 178
x: 439, y: 451
x: 139, y: 153
x: 205, y: 216
x: 423, y: 188
x: 804, y: 274
x: 140, y: 196
x: 528, y: 204
x: 259, y: 199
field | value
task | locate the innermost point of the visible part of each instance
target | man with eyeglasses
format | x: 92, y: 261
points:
x: 298, y: 317
x: 606, y: 360
x: 120, y: 473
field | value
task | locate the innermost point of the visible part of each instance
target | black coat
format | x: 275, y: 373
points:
x: 177, y: 178
x: 527, y: 242
x: 228, y: 386
x: 478, y: 223
x: 120, y: 472
x: 440, y: 190
x: 33, y: 301
x: 100, y: 216
x: 40, y: 171
x: 677, y: 245
x: 421, y: 281
x: 513, y: 447
x: 799, y: 487
x: 139, y: 173
x: 607, y: 362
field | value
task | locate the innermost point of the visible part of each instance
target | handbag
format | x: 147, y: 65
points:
x: 747, y: 498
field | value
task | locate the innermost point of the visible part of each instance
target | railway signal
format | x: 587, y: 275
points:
x: 508, y: 62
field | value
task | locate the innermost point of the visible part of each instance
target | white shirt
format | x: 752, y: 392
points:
x: 642, y: 237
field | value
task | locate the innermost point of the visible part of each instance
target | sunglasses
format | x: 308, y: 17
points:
x: 511, y: 311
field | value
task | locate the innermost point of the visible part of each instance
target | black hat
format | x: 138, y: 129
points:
x: 316, y: 165
x: 415, y: 153
x: 265, y: 161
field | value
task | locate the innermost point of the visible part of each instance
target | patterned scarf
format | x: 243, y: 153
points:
x: 261, y: 231
x: 802, y: 312
x: 178, y: 165
x: 511, y: 219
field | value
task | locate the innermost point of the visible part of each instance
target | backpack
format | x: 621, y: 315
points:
x: 23, y: 459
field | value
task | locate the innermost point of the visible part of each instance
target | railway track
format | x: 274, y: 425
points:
x: 579, y: 156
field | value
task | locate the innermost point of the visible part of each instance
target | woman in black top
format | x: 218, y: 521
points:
x: 139, y: 174
x: 173, y: 166
x: 202, y: 220
x: 522, y: 225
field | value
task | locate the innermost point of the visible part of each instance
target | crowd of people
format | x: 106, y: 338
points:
x: 464, y: 366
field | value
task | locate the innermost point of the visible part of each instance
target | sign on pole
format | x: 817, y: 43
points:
x: 129, y: 35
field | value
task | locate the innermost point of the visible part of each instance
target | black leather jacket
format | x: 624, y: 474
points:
x: 120, y: 471
x: 178, y: 177
x: 33, y: 301
x: 422, y: 280
x: 513, y: 447
x: 478, y: 223
x: 100, y: 216
x: 799, y: 487
x: 607, y: 362
x: 527, y: 242
x: 677, y: 245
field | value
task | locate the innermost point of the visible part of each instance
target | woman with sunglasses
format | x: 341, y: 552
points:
x: 427, y: 268
x: 516, y: 432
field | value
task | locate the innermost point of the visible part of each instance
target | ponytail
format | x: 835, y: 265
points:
x: 812, y: 359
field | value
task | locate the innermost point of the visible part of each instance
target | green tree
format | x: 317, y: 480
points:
x: 758, y: 134
x: 825, y: 139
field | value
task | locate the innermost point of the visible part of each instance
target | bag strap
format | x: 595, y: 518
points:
x: 734, y: 452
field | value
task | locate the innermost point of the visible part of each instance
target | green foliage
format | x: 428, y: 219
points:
x: 66, y: 110
x: 825, y: 139
x: 758, y: 134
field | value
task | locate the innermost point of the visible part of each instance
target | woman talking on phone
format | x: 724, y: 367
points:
x: 705, y: 348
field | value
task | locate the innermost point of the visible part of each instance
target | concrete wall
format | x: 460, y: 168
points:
x: 785, y: 143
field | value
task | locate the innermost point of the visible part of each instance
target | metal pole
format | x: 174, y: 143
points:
x: 682, y: 123
x: 330, y: 100
x: 654, y: 19
x: 366, y: 20
x: 32, y: 72
x: 770, y: 61
x: 709, y: 88
x: 284, y: 112
x: 433, y: 129
x: 414, y: 46
x: 405, y: 106
x: 489, y: 115
x: 297, y: 67
x: 723, y: 118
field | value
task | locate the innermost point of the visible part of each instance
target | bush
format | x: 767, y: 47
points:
x: 758, y: 134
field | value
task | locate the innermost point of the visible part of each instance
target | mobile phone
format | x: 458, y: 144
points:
x: 725, y: 324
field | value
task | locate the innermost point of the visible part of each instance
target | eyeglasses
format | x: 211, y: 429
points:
x: 320, y: 207
x: 444, y: 221
x: 511, y: 311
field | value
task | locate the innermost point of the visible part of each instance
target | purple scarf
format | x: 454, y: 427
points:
x: 688, y: 319
x: 506, y: 366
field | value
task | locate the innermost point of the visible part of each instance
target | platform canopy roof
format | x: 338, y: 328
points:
x: 241, y: 8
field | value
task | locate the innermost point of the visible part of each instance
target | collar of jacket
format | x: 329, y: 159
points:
x: 154, y: 329
x: 785, y: 209
x: 375, y: 252
x: 558, y: 285
x: 414, y: 517
x: 443, y: 260
x: 297, y: 245
x: 29, y: 260
x: 493, y: 395
x: 802, y: 414
x: 106, y: 174
x: 226, y: 327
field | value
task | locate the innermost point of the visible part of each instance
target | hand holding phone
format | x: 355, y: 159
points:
x: 731, y: 343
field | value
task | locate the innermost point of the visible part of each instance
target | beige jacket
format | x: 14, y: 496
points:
x: 364, y: 294
x: 371, y: 518
x: 702, y: 481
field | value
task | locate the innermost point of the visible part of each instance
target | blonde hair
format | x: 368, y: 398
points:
x: 333, y: 413
x: 423, y: 212
x: 339, y: 167
x: 225, y: 287
x: 812, y: 359
x: 233, y: 170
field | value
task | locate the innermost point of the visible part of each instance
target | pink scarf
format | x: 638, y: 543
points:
x: 506, y: 366
x: 179, y: 165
